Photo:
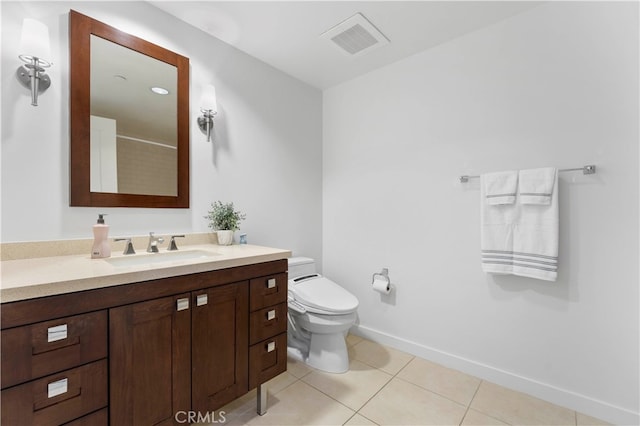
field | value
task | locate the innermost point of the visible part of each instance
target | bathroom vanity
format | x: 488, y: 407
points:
x: 140, y: 341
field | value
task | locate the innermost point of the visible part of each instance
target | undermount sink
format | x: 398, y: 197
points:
x: 159, y: 258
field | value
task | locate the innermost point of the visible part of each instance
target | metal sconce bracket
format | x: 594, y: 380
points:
x: 33, y: 77
x: 205, y: 122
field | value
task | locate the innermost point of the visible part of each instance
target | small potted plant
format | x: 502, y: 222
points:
x: 225, y: 221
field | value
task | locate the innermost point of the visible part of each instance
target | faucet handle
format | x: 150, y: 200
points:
x: 172, y: 242
x: 128, y: 249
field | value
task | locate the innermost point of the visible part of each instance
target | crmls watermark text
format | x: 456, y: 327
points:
x: 199, y: 417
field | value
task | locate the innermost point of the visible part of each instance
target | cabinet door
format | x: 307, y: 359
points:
x: 220, y: 345
x: 150, y: 356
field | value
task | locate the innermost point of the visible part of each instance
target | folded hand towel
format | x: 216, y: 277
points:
x: 536, y: 185
x: 520, y: 239
x: 500, y: 187
x: 497, y: 226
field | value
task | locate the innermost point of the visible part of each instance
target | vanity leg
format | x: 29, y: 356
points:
x: 262, y: 399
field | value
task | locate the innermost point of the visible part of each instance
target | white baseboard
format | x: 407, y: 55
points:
x: 574, y: 401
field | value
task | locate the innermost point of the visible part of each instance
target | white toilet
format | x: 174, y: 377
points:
x: 320, y: 314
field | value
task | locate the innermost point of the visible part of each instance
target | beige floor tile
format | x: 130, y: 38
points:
x: 240, y: 406
x: 358, y: 420
x: 280, y: 382
x: 297, y: 368
x: 383, y: 357
x: 519, y: 408
x: 403, y: 403
x: 584, y: 420
x: 300, y: 404
x: 353, y: 388
x: 476, y: 418
x: 442, y: 380
x: 248, y: 402
x: 352, y: 339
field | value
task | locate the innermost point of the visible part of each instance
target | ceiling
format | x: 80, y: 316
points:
x: 286, y: 34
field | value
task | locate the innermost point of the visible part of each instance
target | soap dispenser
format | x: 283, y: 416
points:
x: 101, y: 247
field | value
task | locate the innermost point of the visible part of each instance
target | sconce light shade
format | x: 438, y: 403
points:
x: 209, y: 108
x: 35, y: 52
x: 34, y: 42
x: 208, y: 101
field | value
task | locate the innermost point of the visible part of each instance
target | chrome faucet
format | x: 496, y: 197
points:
x: 128, y: 249
x: 153, y: 243
x: 172, y: 242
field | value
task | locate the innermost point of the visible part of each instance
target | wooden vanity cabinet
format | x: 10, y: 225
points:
x: 219, y: 346
x: 267, y: 328
x: 149, y: 358
x: 186, y: 343
x: 54, y: 371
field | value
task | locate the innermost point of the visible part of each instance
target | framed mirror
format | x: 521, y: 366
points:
x: 129, y: 110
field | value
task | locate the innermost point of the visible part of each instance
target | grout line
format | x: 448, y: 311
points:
x: 393, y: 376
x: 470, y: 402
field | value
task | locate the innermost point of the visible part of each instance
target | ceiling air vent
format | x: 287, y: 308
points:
x: 356, y: 36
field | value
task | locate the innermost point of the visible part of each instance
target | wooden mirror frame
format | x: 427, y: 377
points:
x: 81, y: 28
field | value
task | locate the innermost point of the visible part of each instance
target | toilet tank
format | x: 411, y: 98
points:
x: 301, y: 266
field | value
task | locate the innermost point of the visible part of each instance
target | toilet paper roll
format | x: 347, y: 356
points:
x: 381, y: 285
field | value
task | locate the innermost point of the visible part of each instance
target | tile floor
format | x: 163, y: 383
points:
x: 385, y: 386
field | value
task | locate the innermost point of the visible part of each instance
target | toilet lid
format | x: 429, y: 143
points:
x: 322, y: 293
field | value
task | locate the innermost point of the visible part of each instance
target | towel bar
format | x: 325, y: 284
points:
x: 586, y: 170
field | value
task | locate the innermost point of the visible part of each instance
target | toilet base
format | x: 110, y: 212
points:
x: 328, y: 352
x: 296, y: 354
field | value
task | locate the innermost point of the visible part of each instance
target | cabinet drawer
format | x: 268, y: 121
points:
x: 267, y: 291
x: 267, y: 359
x: 267, y: 322
x: 40, y: 349
x: 99, y: 418
x: 58, y: 398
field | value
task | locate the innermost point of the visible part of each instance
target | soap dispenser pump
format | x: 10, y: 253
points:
x: 101, y: 247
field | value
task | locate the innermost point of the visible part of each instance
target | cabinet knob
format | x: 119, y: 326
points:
x: 57, y: 388
x: 271, y: 315
x: 59, y: 332
x: 271, y: 346
x: 202, y: 299
x: 271, y: 283
x: 182, y: 304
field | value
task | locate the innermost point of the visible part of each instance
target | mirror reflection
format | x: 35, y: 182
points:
x: 133, y: 122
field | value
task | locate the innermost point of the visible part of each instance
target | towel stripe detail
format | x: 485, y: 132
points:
x: 500, y: 195
x: 540, y: 194
x: 519, y: 253
x: 555, y: 269
x: 526, y: 260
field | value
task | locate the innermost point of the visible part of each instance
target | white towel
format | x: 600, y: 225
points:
x: 500, y: 187
x: 536, y: 185
x: 520, y: 239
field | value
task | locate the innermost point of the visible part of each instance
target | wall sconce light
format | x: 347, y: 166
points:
x: 34, y: 52
x: 209, y: 108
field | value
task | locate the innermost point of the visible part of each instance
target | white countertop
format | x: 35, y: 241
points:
x: 46, y: 276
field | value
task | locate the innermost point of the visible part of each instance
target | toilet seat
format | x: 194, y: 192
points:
x: 321, y: 295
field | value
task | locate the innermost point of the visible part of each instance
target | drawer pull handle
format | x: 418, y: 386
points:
x: 57, y: 388
x: 271, y: 346
x: 201, y: 299
x: 182, y: 304
x: 271, y: 283
x: 271, y: 315
x: 59, y: 332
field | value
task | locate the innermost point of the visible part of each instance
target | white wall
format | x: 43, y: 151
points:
x: 265, y: 158
x: 554, y: 86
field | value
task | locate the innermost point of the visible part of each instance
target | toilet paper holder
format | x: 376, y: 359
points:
x: 384, y: 274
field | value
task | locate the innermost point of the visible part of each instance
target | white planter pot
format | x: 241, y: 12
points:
x: 225, y: 238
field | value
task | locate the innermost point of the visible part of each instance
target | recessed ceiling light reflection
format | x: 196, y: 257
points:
x: 160, y: 90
